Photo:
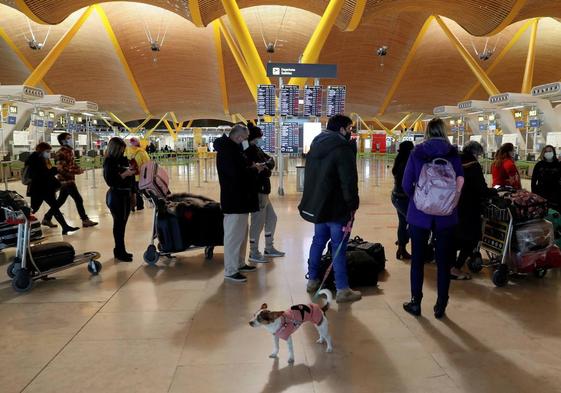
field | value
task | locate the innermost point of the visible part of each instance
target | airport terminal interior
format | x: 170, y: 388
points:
x: 172, y: 77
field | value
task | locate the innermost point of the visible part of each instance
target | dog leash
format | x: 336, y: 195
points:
x: 347, y: 231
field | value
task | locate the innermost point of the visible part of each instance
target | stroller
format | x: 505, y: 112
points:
x: 181, y: 221
x: 516, y: 238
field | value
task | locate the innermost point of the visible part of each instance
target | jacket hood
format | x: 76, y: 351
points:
x: 325, y: 142
x: 435, y: 147
x: 223, y: 142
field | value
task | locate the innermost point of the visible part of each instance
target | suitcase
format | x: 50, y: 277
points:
x: 9, y: 234
x: 154, y: 180
x: 52, y: 255
x: 14, y: 201
x: 527, y: 206
x: 170, y: 236
x: 553, y: 257
x: 375, y: 250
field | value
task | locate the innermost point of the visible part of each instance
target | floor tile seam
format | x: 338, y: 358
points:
x: 76, y: 334
x: 101, y: 302
x: 458, y: 386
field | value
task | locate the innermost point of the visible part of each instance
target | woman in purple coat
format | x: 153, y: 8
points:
x: 421, y: 225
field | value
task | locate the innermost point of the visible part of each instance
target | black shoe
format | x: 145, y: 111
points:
x: 122, y: 256
x: 48, y: 223
x: 247, y: 268
x: 440, y: 309
x: 69, y: 229
x: 413, y: 307
x: 238, y: 277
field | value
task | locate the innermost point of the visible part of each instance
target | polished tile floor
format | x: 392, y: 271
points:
x: 178, y: 327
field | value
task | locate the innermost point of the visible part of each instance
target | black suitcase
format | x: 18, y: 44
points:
x: 170, y: 236
x: 375, y: 250
x: 9, y: 234
x: 52, y: 255
x: 14, y: 201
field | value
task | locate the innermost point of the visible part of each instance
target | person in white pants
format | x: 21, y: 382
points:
x: 266, y: 217
x: 238, y: 198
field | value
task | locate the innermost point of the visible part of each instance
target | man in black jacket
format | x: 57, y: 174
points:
x: 329, y: 200
x: 238, y: 197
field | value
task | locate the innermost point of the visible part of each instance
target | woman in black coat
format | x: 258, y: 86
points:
x: 120, y: 179
x: 44, y: 184
x: 400, y: 200
x: 546, y: 177
x: 474, y: 192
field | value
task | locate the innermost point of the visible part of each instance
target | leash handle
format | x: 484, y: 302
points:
x: 347, y: 229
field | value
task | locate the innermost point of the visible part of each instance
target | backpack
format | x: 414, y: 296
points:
x: 26, y: 175
x: 436, y: 190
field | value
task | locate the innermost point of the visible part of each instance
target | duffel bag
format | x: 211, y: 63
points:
x: 52, y: 255
x: 375, y: 250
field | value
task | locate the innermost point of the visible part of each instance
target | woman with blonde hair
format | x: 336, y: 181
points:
x: 120, y: 179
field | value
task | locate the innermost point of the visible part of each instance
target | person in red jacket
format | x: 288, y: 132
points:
x: 504, y: 169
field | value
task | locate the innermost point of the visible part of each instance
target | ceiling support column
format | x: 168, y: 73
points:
x: 405, y: 66
x: 221, y: 72
x: 483, y: 78
x: 530, y: 59
x: 195, y: 12
x: 319, y: 36
x: 358, y: 11
x: 39, y: 73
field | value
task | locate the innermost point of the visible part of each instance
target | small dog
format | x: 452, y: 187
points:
x: 281, y: 324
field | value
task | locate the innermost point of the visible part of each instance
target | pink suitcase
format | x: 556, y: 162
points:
x: 154, y: 180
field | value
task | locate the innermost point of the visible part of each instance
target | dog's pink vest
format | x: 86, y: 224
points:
x: 296, y: 316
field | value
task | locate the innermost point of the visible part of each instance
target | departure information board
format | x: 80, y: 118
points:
x: 336, y: 96
x: 266, y: 100
x: 290, y: 137
x: 269, y: 137
x: 289, y: 96
x: 312, y: 101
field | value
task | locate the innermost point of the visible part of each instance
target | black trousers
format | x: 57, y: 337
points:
x: 50, y: 199
x: 69, y: 189
x: 139, y: 199
x: 119, y: 204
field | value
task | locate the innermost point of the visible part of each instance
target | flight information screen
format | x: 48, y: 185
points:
x: 289, y: 96
x: 266, y: 100
x: 313, y: 101
x: 269, y: 137
x: 336, y: 96
x: 290, y: 137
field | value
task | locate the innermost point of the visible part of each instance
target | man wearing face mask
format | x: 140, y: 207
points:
x: 67, y: 171
x: 266, y: 217
x: 238, y: 197
x: 330, y: 198
x: 474, y: 192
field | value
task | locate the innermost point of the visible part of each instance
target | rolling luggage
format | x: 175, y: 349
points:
x: 9, y: 233
x: 154, y: 180
x: 52, y: 255
x: 14, y: 201
x: 169, y: 234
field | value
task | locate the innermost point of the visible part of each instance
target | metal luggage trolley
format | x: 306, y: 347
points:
x: 23, y: 270
x: 153, y: 253
x: 498, y: 226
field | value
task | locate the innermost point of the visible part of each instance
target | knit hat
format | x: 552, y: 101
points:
x: 254, y: 131
x: 134, y: 142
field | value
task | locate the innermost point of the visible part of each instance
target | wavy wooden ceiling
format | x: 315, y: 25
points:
x: 184, y: 77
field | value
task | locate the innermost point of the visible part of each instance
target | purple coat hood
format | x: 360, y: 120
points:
x: 423, y: 153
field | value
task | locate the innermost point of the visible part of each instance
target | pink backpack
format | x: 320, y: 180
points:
x: 154, y: 180
x: 436, y: 190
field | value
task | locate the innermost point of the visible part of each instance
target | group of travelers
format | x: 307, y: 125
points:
x: 454, y: 237
x: 120, y: 171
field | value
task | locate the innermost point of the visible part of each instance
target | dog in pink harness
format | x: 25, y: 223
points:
x: 281, y: 324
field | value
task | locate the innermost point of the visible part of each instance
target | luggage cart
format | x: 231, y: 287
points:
x: 153, y: 253
x: 23, y: 270
x: 498, y: 226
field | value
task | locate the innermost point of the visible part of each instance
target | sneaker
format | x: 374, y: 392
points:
x: 88, y: 223
x: 273, y: 252
x: 247, y: 268
x: 257, y: 257
x: 48, y: 223
x: 238, y: 277
x: 347, y: 295
x: 69, y: 229
x: 313, y: 286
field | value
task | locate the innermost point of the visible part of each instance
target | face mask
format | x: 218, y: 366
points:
x: 512, y: 154
x: 46, y: 155
x: 245, y: 145
x: 548, y: 156
x: 68, y: 142
x: 260, y: 143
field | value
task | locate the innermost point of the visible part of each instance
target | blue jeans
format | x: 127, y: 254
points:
x: 401, y: 205
x: 322, y: 234
x: 444, y: 250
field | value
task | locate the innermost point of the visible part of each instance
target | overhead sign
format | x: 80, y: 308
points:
x: 520, y: 124
x: 302, y: 70
x: 12, y: 120
x: 534, y: 123
x: 266, y: 100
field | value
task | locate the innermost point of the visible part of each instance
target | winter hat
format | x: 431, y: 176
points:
x: 134, y: 142
x: 254, y: 131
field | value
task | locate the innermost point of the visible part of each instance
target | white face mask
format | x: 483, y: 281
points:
x: 68, y: 142
x: 46, y: 155
x: 245, y: 144
x: 548, y: 155
x: 513, y: 154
